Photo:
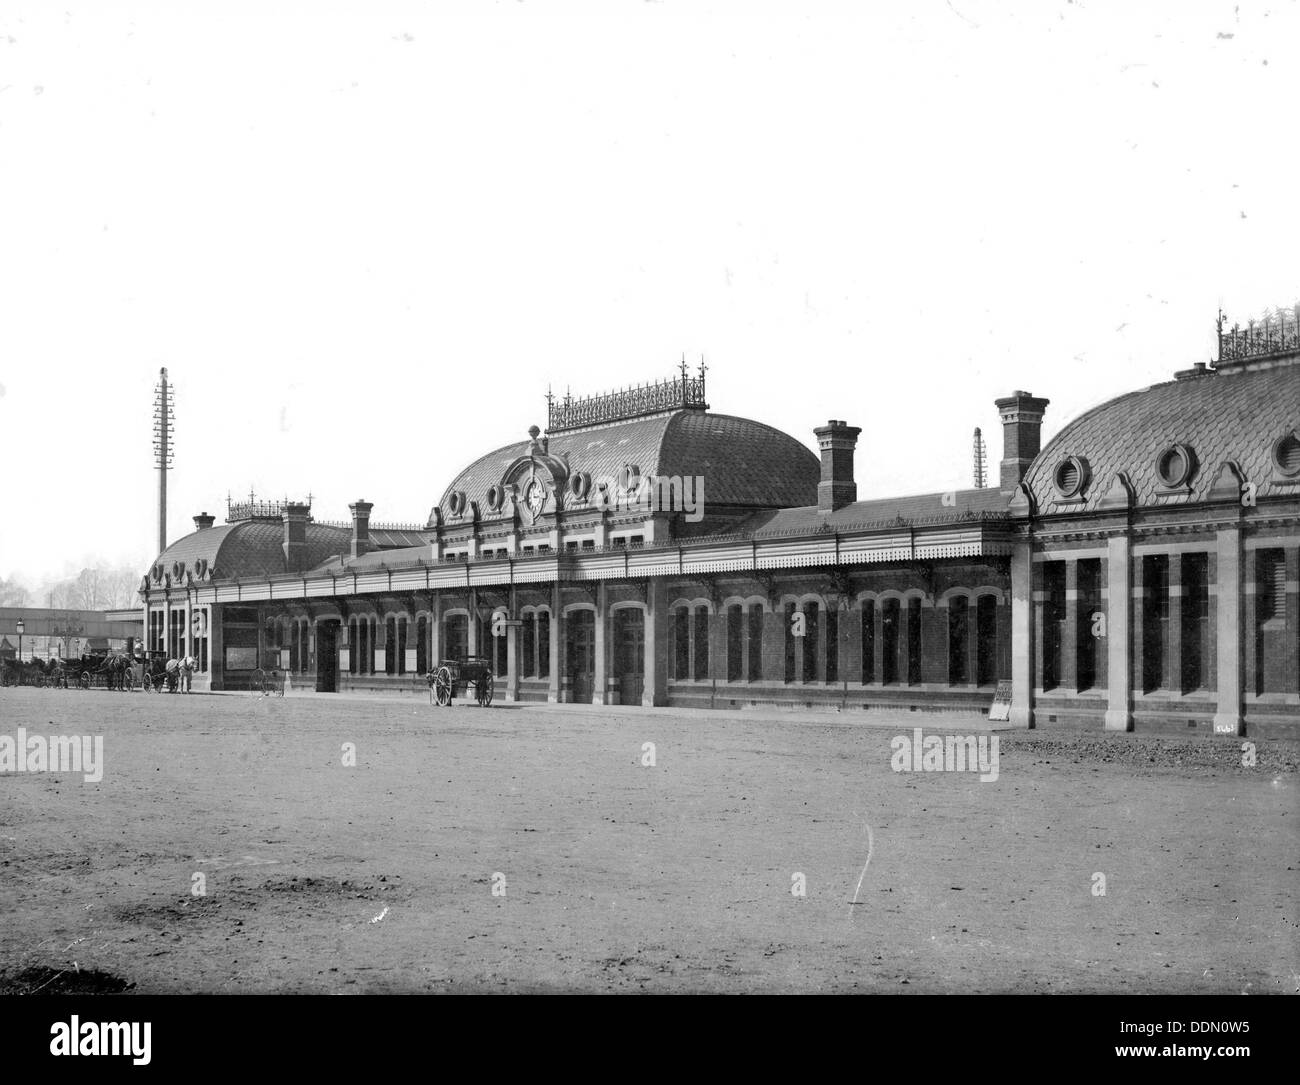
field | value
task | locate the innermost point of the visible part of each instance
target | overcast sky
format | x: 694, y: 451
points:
x: 364, y: 236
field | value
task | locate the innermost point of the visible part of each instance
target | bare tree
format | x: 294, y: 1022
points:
x: 95, y: 588
x: 13, y: 594
x: 125, y: 588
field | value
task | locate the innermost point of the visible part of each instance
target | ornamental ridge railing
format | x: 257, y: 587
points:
x: 676, y: 393
x: 261, y: 509
x: 1277, y: 332
x: 375, y: 525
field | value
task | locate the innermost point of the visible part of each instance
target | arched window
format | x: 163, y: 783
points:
x: 735, y: 642
x: 832, y: 645
x: 701, y: 645
x: 986, y: 635
x: 457, y: 638
x: 544, y: 644
x: 682, y: 643
x: 755, y: 665
x: 791, y: 641
x: 890, y: 620
x: 529, y: 649
x: 500, y: 650
x: 811, y: 630
x: 868, y: 641
x: 914, y: 642
x: 958, y: 640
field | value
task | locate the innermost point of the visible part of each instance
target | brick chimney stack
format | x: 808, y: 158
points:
x: 1022, y: 427
x: 361, y: 527
x: 203, y: 521
x: 296, y: 517
x: 837, y: 440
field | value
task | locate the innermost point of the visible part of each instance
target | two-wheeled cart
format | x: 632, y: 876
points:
x: 473, y: 671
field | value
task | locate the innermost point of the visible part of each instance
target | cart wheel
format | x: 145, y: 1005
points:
x: 484, y: 690
x: 442, y: 688
x: 84, y: 680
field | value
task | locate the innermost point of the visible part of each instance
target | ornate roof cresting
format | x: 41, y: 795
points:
x: 674, y: 394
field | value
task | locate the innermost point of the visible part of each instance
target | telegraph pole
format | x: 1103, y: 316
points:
x: 164, y: 422
x: 981, y: 461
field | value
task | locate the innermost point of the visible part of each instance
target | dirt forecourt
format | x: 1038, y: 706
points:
x: 527, y: 849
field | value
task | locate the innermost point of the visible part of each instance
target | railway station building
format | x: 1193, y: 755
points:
x: 1140, y: 571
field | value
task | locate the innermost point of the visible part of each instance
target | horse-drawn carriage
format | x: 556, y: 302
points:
x: 73, y: 673
x: 28, y: 672
x: 155, y: 675
x: 107, y: 670
x: 103, y: 669
x: 473, y: 671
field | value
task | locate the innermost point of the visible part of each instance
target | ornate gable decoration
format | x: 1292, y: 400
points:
x: 535, y: 483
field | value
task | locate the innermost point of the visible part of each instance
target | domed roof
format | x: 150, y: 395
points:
x: 250, y: 548
x: 742, y: 462
x: 1235, y: 413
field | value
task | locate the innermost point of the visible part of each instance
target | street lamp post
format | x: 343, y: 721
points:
x: 21, y: 627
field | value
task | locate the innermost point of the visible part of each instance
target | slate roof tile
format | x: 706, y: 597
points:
x: 742, y: 462
x: 1235, y: 413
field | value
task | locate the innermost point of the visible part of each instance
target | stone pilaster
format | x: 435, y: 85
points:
x: 1229, y: 621
x: 657, y: 618
x: 1293, y: 620
x: 1023, y: 638
x: 601, y: 675
x: 1119, y: 639
x: 559, y: 664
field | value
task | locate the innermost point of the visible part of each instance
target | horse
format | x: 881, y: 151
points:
x: 188, y: 666
x: 117, y: 668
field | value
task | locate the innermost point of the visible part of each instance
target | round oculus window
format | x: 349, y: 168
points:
x: 1286, y: 455
x: 1175, y: 465
x: 1070, y: 476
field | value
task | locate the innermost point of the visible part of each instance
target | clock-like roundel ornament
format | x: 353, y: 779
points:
x: 535, y: 497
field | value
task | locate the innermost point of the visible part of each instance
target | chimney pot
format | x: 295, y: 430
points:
x: 837, y: 441
x: 1022, y: 425
x: 295, y: 517
x: 361, y: 527
x: 203, y: 521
